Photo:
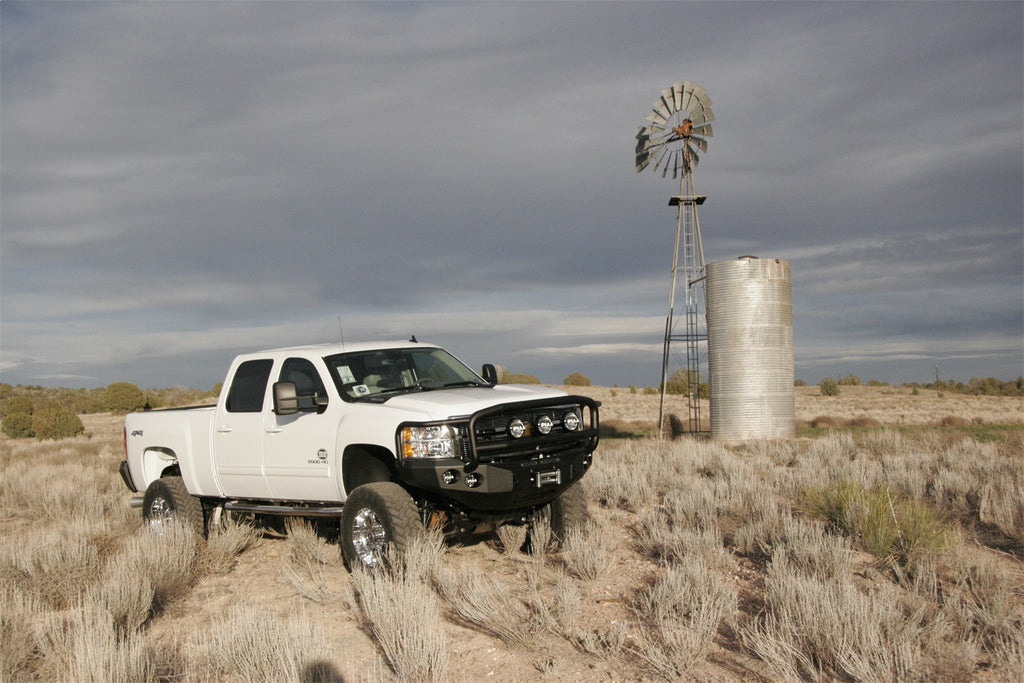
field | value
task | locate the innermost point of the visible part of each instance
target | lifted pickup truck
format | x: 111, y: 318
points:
x: 388, y: 437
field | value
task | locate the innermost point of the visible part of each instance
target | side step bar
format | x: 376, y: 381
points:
x: 263, y: 509
x: 287, y: 510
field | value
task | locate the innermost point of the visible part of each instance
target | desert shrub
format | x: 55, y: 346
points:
x: 17, y: 425
x: 890, y: 526
x: 56, y: 423
x: 799, y: 383
x: 517, y: 378
x: 123, y: 397
x: 512, y: 537
x: 403, y: 613
x: 864, y: 421
x: 18, y: 404
x: 822, y: 628
x: 824, y: 421
x: 829, y: 387
x: 577, y: 379
x: 484, y: 602
x: 83, y: 644
x: 250, y: 643
x: 587, y: 551
x: 850, y: 380
x: 953, y: 421
x: 679, y: 615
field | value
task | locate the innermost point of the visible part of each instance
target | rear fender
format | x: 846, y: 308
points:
x: 156, y: 461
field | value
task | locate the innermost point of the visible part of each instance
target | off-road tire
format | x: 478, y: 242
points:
x: 167, y: 502
x: 379, y: 521
x: 568, y: 511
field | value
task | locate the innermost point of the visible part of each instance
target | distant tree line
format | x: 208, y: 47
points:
x: 977, y: 386
x: 52, y: 412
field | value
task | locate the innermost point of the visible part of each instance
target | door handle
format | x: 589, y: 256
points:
x: 223, y: 429
x: 272, y: 429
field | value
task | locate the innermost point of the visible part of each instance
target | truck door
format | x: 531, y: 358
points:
x: 299, y: 449
x: 238, y: 432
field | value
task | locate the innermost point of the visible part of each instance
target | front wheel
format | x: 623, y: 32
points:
x: 568, y: 511
x: 168, y: 502
x: 378, y: 519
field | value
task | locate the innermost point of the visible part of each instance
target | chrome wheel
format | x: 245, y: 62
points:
x: 369, y: 537
x: 160, y: 514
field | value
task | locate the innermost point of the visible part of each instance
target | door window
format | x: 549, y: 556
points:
x: 307, y: 381
x: 249, y: 386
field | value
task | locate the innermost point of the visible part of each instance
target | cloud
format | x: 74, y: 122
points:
x: 183, y: 181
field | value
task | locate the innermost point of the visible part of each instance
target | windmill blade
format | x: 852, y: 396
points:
x: 704, y: 130
x: 643, y: 138
x: 701, y: 143
x: 657, y: 117
x: 642, y: 161
x: 677, y: 96
x: 700, y: 93
x: 669, y: 98
x: 687, y: 99
x: 659, y: 156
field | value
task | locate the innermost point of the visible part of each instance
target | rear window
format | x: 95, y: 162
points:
x: 249, y: 386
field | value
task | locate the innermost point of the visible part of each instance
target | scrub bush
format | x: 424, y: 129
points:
x: 56, y: 423
x: 17, y: 425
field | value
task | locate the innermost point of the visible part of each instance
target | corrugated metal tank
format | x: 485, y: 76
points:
x: 750, y: 349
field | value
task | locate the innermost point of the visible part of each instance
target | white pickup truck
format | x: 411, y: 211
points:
x: 388, y: 437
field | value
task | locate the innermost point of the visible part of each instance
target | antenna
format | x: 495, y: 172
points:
x: 341, y: 332
x: 678, y: 126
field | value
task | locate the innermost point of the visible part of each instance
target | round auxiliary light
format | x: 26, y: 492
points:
x: 473, y: 480
x: 571, y: 421
x: 516, y: 428
x: 449, y: 477
x: 544, y: 424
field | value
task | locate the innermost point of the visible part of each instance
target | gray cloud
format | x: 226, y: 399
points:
x: 183, y: 181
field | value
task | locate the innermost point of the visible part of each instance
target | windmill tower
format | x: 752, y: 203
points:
x: 678, y: 126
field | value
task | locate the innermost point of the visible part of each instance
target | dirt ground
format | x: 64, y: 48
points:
x: 260, y: 575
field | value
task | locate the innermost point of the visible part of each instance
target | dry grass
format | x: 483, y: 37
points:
x: 700, y: 561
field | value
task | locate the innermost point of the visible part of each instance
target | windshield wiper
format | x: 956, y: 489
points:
x: 464, y: 383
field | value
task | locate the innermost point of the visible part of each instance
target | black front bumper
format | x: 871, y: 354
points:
x: 497, y: 487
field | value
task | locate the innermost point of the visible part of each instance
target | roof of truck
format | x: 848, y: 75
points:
x: 340, y: 347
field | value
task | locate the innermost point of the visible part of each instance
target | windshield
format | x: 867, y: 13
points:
x: 379, y: 374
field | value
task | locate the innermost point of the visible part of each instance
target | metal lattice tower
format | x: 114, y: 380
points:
x: 679, y: 123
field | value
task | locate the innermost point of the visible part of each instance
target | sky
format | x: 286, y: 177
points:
x: 181, y: 182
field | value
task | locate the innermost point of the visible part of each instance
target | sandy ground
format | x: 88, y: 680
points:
x: 261, y: 576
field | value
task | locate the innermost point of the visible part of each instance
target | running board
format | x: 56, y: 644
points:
x: 286, y: 510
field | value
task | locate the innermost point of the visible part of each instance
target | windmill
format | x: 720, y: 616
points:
x: 677, y: 129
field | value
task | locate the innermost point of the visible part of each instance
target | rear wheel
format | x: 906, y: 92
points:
x: 379, y: 519
x: 168, y: 502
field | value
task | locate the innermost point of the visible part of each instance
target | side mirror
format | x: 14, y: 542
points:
x: 286, y: 400
x: 490, y: 375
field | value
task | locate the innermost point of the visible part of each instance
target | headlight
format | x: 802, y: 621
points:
x: 517, y: 428
x: 544, y: 424
x: 571, y: 421
x: 432, y: 441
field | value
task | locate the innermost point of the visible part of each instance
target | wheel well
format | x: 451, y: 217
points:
x: 159, y: 462
x: 363, y: 464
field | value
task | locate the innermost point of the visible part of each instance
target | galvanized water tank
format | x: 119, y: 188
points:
x: 750, y: 349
